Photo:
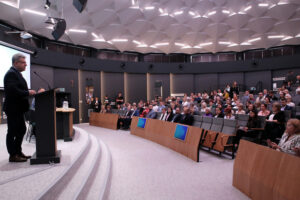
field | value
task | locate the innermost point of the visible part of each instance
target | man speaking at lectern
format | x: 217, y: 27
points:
x: 15, y: 105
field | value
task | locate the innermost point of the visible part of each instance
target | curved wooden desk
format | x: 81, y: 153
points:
x: 64, y: 123
x: 105, y: 120
x: 162, y: 132
x: 263, y: 173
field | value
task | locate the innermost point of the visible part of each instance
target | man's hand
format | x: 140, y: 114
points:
x: 32, y: 92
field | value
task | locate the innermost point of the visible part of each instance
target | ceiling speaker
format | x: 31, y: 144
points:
x: 79, y: 4
x: 82, y: 61
x: 59, y: 28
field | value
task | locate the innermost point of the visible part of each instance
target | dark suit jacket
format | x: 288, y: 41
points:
x: 187, y: 119
x: 176, y: 118
x: 152, y: 114
x: 16, y: 92
x: 170, y: 117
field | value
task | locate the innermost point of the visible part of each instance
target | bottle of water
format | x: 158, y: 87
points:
x: 65, y: 105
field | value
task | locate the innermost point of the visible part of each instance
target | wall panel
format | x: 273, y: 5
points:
x: 136, y: 87
x: 165, y: 79
x: 111, y: 84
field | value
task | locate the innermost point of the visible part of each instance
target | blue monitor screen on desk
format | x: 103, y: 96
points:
x: 180, y: 132
x: 141, y: 123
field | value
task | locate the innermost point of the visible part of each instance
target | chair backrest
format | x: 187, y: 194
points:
x: 217, y: 124
x: 197, y: 120
x: 242, y: 120
x: 206, y: 124
x: 201, y: 113
x: 262, y: 120
x: 229, y: 126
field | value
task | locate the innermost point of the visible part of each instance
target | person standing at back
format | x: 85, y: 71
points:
x: 15, y: 105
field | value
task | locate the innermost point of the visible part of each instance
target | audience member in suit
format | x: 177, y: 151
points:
x: 164, y: 114
x: 219, y: 113
x: 275, y: 123
x: 125, y: 116
x: 152, y: 113
x: 177, y: 116
x: 248, y: 131
x: 96, y: 105
x: 284, y: 106
x: 170, y: 114
x: 272, y: 97
x: 15, y: 105
x: 187, y: 118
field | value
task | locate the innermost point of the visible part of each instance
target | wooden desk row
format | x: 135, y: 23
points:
x: 105, y: 120
x: 162, y: 132
x: 263, y: 173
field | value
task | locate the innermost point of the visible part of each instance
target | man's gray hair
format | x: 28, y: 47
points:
x: 17, y: 57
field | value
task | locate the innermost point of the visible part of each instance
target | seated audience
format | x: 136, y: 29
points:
x: 108, y: 109
x: 284, y: 106
x: 170, y: 114
x: 96, y: 104
x: 275, y: 123
x: 289, y: 102
x: 177, y: 116
x: 207, y: 113
x: 219, y: 113
x: 228, y: 114
x: 103, y: 110
x: 120, y: 99
x: 240, y: 110
x: 203, y: 106
x: 152, y: 114
x: 250, y: 108
x: 297, y: 97
x: 290, y: 140
x: 260, y: 97
x: 145, y: 111
x: 164, y: 114
x: 263, y: 110
x: 248, y: 131
x: 186, y: 118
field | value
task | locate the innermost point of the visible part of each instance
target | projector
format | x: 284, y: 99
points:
x: 25, y: 35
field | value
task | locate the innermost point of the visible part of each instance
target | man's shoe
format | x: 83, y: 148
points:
x: 22, y: 155
x: 17, y: 158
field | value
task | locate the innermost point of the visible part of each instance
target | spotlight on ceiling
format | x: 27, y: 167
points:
x: 79, y: 5
x: 23, y: 34
x: 47, y: 4
x: 59, y: 28
x: 81, y: 61
x: 122, y: 65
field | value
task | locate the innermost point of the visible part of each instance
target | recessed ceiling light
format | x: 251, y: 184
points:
x: 206, y: 44
x: 186, y: 47
x: 275, y: 36
x: 225, y: 43
x: 149, y: 8
x: 50, y: 27
x: 135, y: 7
x: 98, y: 40
x: 245, y: 43
x: 178, y: 13
x: 161, y: 10
x: 162, y: 44
x: 254, y: 39
x: 197, y: 47
x: 179, y: 44
x: 263, y: 4
x: 136, y: 42
x: 225, y: 11
x: 192, y: 13
x: 212, y: 13
x: 287, y: 38
x: 153, y: 46
x: 233, y: 45
x: 142, y: 45
x: 77, y: 30
x: 35, y: 12
x: 119, y: 40
x: 298, y: 35
x: 15, y: 5
x: 282, y: 3
x: 248, y: 8
x: 95, y: 35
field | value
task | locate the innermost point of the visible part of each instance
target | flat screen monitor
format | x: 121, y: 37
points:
x: 141, y: 122
x: 6, y: 62
x: 180, y: 132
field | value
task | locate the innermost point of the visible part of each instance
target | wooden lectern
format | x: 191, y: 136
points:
x: 45, y: 112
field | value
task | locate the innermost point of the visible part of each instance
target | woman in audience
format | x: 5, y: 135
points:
x: 219, y: 113
x: 268, y: 103
x: 207, y: 113
x: 263, y: 110
x: 228, y: 114
x: 170, y: 114
x: 145, y: 111
x: 248, y: 131
x: 290, y: 140
x: 234, y: 89
x: 275, y: 123
x: 289, y: 101
x: 203, y: 106
x: 103, y: 110
x: 250, y: 108
x: 240, y: 110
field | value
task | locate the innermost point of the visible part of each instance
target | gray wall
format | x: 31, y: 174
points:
x: 165, y: 78
x: 94, y: 79
x: 228, y: 78
x: 46, y: 73
x: 68, y: 79
x: 204, y: 82
x: 182, y: 83
x: 112, y: 84
x: 252, y: 78
x: 136, y: 87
